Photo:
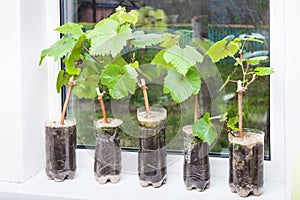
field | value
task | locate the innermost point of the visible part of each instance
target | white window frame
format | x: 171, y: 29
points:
x: 275, y: 166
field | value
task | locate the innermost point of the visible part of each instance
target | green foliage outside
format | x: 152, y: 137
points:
x: 96, y: 58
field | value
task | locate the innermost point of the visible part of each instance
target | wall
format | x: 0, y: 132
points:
x: 24, y: 88
x: 292, y: 94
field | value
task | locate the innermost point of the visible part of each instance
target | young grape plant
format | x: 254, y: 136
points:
x: 248, y: 62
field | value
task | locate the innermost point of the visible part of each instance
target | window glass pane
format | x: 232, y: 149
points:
x: 210, y: 20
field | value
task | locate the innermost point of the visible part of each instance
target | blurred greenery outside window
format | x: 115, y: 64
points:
x: 210, y: 20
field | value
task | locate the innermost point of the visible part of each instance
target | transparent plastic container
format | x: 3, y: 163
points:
x: 60, y: 150
x: 152, y: 156
x: 246, y: 162
x: 107, y: 159
x: 196, y: 168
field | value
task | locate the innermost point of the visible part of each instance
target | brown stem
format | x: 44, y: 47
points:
x: 100, y: 98
x: 240, y: 90
x: 62, y: 119
x: 144, y: 89
x: 195, y: 107
x: 240, y: 103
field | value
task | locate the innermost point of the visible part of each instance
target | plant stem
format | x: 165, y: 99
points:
x: 62, y: 119
x: 240, y: 91
x: 100, y: 98
x: 94, y: 58
x: 144, y: 89
x: 195, y: 107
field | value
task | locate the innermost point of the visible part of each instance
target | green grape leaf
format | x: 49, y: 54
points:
x: 250, y: 39
x: 248, y: 55
x: 62, y: 79
x: 134, y: 65
x: 182, y: 59
x: 160, y: 62
x: 71, y: 28
x: 182, y: 87
x: 58, y: 49
x: 256, y: 60
x: 204, y: 129
x: 120, y: 80
x: 119, y: 61
x: 72, y: 70
x: 75, y: 52
x: 253, y: 35
x: 263, y: 71
x: 85, y: 88
x: 120, y: 9
x: 232, y: 122
x: 86, y: 82
x: 224, y: 117
x: 142, y: 40
x: 169, y: 40
x: 130, y: 17
x: 223, y: 49
x: 109, y: 38
x: 89, y: 62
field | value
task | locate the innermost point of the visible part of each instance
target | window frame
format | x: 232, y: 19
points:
x: 275, y: 168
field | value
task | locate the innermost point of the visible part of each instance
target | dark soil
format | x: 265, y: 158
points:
x: 152, y: 163
x: 196, y: 168
x: 60, y: 152
x: 246, y: 169
x: 107, y: 165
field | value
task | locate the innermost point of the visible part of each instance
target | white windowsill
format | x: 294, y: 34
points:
x: 84, y: 186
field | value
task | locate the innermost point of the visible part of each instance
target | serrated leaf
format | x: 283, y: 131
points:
x: 130, y: 17
x: 182, y: 59
x: 159, y: 60
x: 71, y: 28
x: 232, y: 122
x: 182, y: 87
x: 62, y: 79
x: 222, y: 49
x: 109, y: 38
x: 58, y: 49
x: 142, y: 40
x: 204, y: 129
x: 169, y: 40
x: 120, y: 80
x: 257, y: 60
x: 263, y: 71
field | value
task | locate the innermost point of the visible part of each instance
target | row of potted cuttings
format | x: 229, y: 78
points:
x: 109, y: 56
x: 246, y: 155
